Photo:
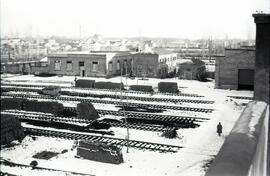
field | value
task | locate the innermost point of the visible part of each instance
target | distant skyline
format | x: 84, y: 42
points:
x: 132, y: 18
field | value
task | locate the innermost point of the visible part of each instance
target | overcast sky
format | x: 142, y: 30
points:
x: 128, y: 18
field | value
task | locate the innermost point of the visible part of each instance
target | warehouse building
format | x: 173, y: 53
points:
x: 80, y: 63
x: 236, y: 69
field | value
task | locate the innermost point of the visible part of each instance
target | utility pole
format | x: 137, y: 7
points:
x: 209, y: 48
x: 125, y: 116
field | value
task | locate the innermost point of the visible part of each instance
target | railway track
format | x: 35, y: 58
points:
x: 105, y: 90
x: 241, y: 97
x: 114, y: 96
x: 142, y: 145
x: 141, y: 115
x: 118, y: 103
x: 4, y: 162
x: 24, y: 116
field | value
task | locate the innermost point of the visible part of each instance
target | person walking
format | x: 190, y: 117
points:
x: 219, y: 129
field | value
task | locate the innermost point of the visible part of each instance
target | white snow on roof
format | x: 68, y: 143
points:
x: 45, y: 59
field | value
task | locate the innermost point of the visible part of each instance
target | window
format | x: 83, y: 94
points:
x: 95, y: 66
x: 110, y: 67
x: 118, y: 65
x: 140, y: 68
x: 81, y: 64
x: 44, y: 64
x: 57, y: 65
x: 150, y: 69
x: 125, y: 63
x: 69, y: 65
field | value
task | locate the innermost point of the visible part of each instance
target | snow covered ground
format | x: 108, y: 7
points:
x: 200, y: 145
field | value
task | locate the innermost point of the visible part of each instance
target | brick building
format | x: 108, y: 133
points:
x: 80, y: 63
x: 236, y: 69
x: 138, y: 64
x: 26, y: 67
x: 167, y: 57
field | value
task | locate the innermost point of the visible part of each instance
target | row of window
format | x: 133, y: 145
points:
x: 168, y: 59
x: 117, y: 65
x: 69, y: 65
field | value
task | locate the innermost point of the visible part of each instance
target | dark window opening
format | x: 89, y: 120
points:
x: 81, y: 64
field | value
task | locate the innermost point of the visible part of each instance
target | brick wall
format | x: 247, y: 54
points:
x: 135, y: 62
x: 88, y: 60
x: 227, y: 67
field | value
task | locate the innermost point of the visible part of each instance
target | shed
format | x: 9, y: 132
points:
x: 193, y: 69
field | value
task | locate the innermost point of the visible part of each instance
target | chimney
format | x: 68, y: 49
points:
x: 262, y: 57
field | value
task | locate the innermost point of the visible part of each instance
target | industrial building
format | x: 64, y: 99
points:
x: 236, y: 69
x: 137, y: 64
x: 26, y: 67
x: 80, y: 63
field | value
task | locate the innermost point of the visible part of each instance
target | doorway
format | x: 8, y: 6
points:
x: 245, y: 79
x: 82, y: 74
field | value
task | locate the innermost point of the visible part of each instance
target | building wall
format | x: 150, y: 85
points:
x: 88, y: 67
x: 261, y: 87
x: 11, y: 68
x: 191, y: 71
x: 140, y: 64
x: 227, y: 67
x: 39, y: 69
x: 147, y: 63
x: 169, y: 59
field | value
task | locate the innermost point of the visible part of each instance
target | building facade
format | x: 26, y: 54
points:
x: 235, y: 70
x: 136, y: 64
x: 192, y: 70
x: 80, y: 64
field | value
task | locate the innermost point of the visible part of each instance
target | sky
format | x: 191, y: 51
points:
x: 131, y: 18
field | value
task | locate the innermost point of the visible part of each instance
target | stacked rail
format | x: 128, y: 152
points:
x: 124, y: 104
x: 163, y: 148
x: 27, y: 89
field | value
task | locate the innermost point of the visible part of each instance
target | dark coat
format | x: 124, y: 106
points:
x: 219, y: 128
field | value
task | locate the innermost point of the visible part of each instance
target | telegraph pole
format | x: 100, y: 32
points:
x: 125, y: 116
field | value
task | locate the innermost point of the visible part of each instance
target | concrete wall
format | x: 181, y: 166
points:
x: 259, y: 163
x: 242, y: 148
x: 226, y: 76
x: 261, y: 89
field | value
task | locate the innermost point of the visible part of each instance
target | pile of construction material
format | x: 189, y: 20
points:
x: 11, y: 129
x: 51, y: 90
x: 86, y: 111
x: 83, y: 83
x: 43, y: 106
x: 169, y: 133
x: 12, y: 103
x: 142, y: 88
x: 109, y: 85
x: 168, y: 87
x: 99, y: 152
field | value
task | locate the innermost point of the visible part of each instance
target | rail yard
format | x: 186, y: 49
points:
x: 133, y: 121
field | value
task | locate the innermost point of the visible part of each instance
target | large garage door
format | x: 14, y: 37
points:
x: 246, y: 79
